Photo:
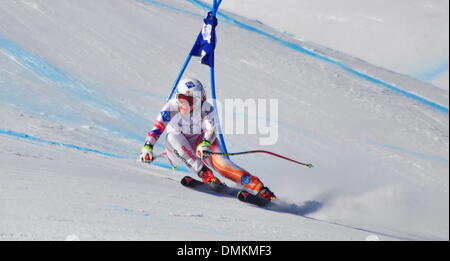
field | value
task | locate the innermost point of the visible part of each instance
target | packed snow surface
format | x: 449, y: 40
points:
x: 406, y: 36
x: 82, y: 81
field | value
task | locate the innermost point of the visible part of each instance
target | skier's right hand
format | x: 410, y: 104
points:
x: 147, y: 153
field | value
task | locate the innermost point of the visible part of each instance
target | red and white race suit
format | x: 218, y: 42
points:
x: 185, y: 131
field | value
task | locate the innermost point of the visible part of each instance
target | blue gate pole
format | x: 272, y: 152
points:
x: 188, y: 59
x: 180, y: 74
x: 213, y: 89
x: 216, y: 7
x: 217, y: 118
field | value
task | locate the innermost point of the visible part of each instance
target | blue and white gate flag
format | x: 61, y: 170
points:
x: 206, y: 41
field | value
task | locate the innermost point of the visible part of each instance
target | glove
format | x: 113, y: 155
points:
x: 147, y: 153
x: 201, y: 148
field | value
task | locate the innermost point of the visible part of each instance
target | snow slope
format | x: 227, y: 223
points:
x: 81, y: 82
x: 406, y: 36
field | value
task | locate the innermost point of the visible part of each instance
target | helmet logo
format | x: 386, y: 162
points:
x: 190, y: 84
x: 246, y: 179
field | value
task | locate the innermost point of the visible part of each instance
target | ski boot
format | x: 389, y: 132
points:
x: 208, y: 176
x: 266, y: 194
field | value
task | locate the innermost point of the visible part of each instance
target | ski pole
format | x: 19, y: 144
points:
x: 164, y: 154
x: 209, y: 153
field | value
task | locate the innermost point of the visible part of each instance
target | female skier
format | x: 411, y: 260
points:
x: 191, y: 131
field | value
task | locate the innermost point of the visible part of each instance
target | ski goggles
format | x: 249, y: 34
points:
x: 186, y: 99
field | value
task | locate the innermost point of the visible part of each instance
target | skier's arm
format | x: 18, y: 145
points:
x: 209, y: 132
x: 164, y: 117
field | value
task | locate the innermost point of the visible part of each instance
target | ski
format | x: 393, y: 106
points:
x: 247, y: 197
x: 190, y: 182
x: 242, y: 195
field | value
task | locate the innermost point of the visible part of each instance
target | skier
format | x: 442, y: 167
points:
x: 191, y: 131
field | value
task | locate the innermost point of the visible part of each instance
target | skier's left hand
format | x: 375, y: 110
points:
x: 201, y: 148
